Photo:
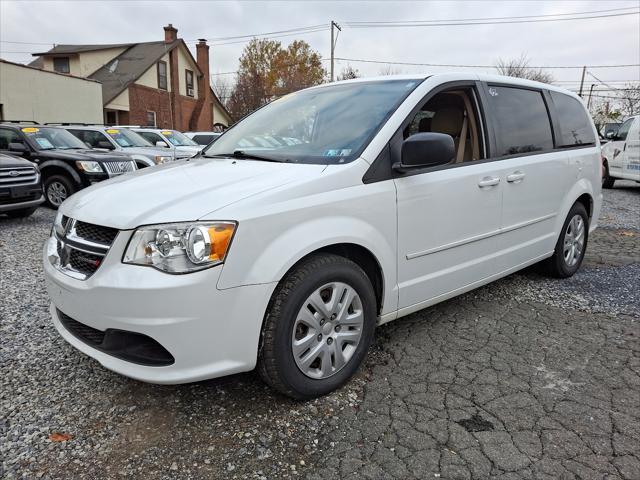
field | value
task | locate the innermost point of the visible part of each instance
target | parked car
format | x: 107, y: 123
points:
x: 621, y: 155
x: 203, y: 138
x: 399, y: 193
x: 123, y: 141
x: 169, y: 139
x: 20, y: 186
x: 66, y: 164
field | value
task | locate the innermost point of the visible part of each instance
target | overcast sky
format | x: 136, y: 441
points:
x: 611, y: 40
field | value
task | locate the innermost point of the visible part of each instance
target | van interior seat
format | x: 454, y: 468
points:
x: 450, y: 120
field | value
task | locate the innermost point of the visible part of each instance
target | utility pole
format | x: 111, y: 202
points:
x: 584, y: 71
x: 589, y: 99
x: 333, y: 45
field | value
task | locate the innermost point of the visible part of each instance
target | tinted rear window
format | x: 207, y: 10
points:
x: 521, y: 121
x: 575, y: 125
x: 203, y: 139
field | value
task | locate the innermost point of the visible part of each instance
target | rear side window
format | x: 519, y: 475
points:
x: 521, y: 121
x: 203, y: 139
x: 575, y: 126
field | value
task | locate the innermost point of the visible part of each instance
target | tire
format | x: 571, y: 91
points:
x: 286, y: 320
x: 57, y: 188
x: 607, y: 181
x: 558, y: 265
x: 21, y: 213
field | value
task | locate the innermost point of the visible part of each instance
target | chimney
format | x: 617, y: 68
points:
x: 202, y: 59
x: 170, y: 34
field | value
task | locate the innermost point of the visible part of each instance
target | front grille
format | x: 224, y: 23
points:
x: 130, y: 346
x: 118, y: 168
x: 81, y: 249
x: 16, y: 176
x: 96, y: 233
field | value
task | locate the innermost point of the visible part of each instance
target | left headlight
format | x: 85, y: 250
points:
x: 159, y: 159
x: 89, y: 166
x: 180, y: 247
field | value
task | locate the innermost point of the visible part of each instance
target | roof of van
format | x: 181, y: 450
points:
x: 457, y: 76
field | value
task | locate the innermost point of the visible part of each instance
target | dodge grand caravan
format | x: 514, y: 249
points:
x: 399, y: 193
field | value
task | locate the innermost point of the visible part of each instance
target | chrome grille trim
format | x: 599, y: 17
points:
x: 16, y: 176
x: 63, y: 251
x: 118, y: 168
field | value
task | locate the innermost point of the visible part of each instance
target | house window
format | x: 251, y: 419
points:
x: 189, y: 78
x: 111, y: 117
x: 61, y: 64
x: 151, y: 119
x: 162, y: 75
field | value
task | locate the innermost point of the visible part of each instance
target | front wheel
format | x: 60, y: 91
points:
x: 57, y: 188
x: 318, y: 327
x: 572, y: 244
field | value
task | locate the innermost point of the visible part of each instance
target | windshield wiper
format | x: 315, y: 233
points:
x: 252, y: 156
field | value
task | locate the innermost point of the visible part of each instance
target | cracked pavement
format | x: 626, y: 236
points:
x: 528, y: 377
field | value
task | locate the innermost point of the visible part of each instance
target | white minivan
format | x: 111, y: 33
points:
x: 397, y: 193
x: 621, y: 155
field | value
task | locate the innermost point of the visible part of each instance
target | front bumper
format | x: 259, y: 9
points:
x: 208, y: 332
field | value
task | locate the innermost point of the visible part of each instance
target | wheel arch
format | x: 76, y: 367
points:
x: 54, y: 167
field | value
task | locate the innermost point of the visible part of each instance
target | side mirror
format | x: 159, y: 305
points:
x: 427, y: 149
x: 104, y: 144
x: 18, y: 147
x: 162, y: 144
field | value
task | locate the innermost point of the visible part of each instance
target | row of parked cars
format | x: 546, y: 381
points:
x: 48, y: 163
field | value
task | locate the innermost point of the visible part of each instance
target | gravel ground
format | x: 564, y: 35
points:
x: 525, y: 378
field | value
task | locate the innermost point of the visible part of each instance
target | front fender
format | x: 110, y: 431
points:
x: 285, y: 249
x: 57, y: 163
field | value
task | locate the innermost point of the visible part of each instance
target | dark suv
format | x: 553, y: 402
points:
x: 20, y: 187
x: 66, y: 163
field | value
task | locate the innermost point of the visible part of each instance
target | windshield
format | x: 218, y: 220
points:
x: 178, y: 139
x: 48, y: 138
x: 127, y: 138
x: 326, y: 125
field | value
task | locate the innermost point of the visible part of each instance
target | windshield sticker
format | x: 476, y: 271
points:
x: 113, y: 131
x: 493, y: 92
x: 167, y: 132
x: 30, y: 130
x: 337, y: 152
x: 44, y: 142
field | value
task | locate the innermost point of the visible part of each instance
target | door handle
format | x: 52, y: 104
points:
x: 515, y: 177
x: 489, y: 182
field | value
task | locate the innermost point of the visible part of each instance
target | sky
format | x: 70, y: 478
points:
x: 610, y: 40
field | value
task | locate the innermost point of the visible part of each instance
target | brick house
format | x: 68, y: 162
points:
x: 150, y: 83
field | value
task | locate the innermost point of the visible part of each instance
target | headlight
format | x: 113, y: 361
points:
x: 180, y: 247
x: 87, y: 166
x: 162, y: 159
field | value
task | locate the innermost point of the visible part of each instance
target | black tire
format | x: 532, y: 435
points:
x: 22, y: 212
x: 557, y: 266
x: 607, y: 181
x: 276, y: 363
x: 63, y: 180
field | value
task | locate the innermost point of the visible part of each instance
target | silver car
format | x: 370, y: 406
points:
x: 125, y: 141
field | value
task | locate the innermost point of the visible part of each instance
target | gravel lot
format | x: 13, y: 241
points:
x: 525, y: 378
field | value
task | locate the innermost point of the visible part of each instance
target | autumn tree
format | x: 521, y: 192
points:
x: 349, y: 73
x: 267, y: 71
x: 519, y: 67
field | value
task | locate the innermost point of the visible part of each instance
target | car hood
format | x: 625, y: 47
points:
x: 9, y: 161
x: 193, y: 149
x: 83, y: 154
x: 148, y: 151
x: 180, y: 191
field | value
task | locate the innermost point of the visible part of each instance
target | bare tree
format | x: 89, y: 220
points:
x: 222, y: 87
x: 630, y: 99
x: 389, y: 70
x: 349, y: 73
x: 519, y: 67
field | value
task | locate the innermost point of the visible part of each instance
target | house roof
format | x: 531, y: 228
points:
x: 31, y: 67
x: 69, y: 49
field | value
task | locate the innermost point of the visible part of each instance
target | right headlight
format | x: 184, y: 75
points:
x: 180, y: 247
x: 162, y: 159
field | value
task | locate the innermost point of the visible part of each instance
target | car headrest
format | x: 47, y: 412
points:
x: 447, y: 120
x: 424, y: 125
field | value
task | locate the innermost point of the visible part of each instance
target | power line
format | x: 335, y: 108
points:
x: 506, y: 22
x: 490, y: 18
x: 361, y: 60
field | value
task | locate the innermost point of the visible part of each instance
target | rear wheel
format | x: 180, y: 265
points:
x: 571, y: 245
x: 22, y: 212
x: 318, y: 327
x: 607, y: 181
x: 57, y: 188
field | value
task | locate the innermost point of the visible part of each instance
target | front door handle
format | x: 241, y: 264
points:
x: 515, y: 177
x: 489, y: 182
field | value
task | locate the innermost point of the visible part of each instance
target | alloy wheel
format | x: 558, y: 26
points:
x: 56, y: 193
x: 573, y: 241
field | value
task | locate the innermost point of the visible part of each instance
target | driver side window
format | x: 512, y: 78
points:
x: 623, y: 131
x: 453, y: 113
